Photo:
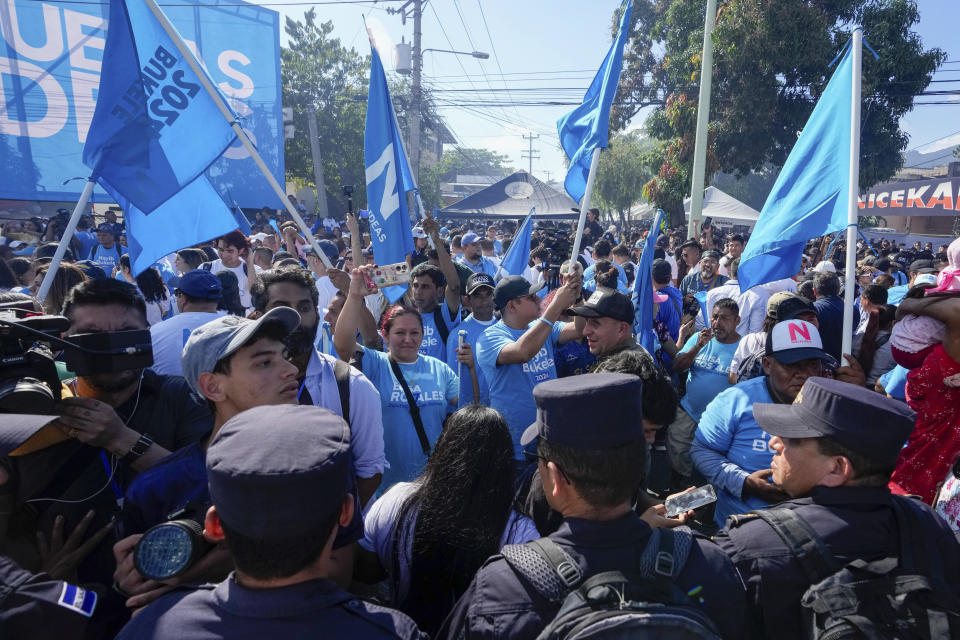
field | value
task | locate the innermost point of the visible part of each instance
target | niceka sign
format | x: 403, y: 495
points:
x: 50, y: 65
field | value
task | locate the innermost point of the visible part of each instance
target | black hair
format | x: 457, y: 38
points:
x: 259, y: 293
x: 605, y: 274
x: 733, y: 268
x: 729, y: 304
x: 461, y: 507
x: 658, y: 398
x: 540, y: 252
x: 602, y: 477
x: 8, y: 279
x: 431, y: 271
x: 104, y: 291
x: 49, y: 249
x: 875, y: 293
x: 150, y: 282
x: 620, y: 250
x: 805, y: 289
x: 192, y: 257
x: 264, y: 250
x: 19, y: 266
x: 235, y: 239
x: 867, y: 473
x: 265, y: 558
x: 888, y: 314
x: 736, y: 237
x: 230, y: 293
x: 826, y: 284
x: 602, y: 248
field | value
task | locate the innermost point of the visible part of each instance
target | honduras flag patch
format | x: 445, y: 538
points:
x: 82, y: 601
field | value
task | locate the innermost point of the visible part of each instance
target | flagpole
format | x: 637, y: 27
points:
x: 241, y: 134
x: 703, y: 122
x: 584, y: 206
x: 65, y: 240
x: 852, y: 193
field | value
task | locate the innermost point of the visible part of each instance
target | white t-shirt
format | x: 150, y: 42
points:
x: 159, y: 308
x: 169, y: 336
x: 381, y: 518
x: 327, y: 292
x: 750, y: 343
x: 242, y: 280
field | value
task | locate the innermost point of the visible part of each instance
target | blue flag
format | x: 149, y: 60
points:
x: 517, y: 257
x: 643, y: 288
x: 586, y: 127
x: 388, y: 176
x: 155, y: 129
x: 194, y: 214
x: 809, y: 198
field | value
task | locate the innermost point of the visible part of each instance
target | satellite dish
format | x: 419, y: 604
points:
x: 518, y: 190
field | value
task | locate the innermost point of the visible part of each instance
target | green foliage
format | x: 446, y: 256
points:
x: 459, y: 161
x: 622, y: 172
x: 771, y: 62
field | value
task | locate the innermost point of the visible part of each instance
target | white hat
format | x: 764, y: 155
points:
x: 418, y: 232
x: 825, y: 267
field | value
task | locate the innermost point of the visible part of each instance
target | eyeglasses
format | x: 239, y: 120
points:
x: 533, y: 456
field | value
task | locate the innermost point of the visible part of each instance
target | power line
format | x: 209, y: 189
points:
x: 496, y: 58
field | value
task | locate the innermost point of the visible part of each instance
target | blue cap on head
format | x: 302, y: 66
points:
x: 200, y: 283
x: 329, y: 249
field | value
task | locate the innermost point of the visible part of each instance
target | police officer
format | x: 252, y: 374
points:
x: 279, y: 479
x: 590, y: 475
x: 36, y: 605
x: 836, y: 447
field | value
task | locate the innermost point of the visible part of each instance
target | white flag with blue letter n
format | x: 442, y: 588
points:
x: 388, y: 176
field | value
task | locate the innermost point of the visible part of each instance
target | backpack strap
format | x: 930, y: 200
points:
x: 441, y: 323
x: 664, y: 557
x: 546, y: 566
x: 341, y: 373
x: 802, y: 541
x: 412, y: 407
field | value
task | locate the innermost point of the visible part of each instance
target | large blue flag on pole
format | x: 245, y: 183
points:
x: 388, y: 176
x: 809, y: 198
x: 586, y: 127
x: 517, y: 257
x: 643, y: 288
x: 155, y: 129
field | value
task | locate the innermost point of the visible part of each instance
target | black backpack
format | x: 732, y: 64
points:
x: 637, y: 604
x: 893, y: 598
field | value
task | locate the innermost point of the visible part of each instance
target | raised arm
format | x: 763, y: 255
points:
x: 527, y: 346
x: 345, y: 335
x: 452, y: 294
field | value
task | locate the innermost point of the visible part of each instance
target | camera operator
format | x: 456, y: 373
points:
x: 115, y: 425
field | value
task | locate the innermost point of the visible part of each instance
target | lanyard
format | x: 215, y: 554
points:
x: 110, y: 475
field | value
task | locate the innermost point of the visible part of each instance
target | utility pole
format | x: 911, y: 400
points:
x: 703, y: 122
x: 531, y: 151
x: 414, y: 150
x: 548, y: 172
x: 317, y: 164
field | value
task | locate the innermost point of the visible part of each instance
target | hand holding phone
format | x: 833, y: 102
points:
x: 689, y: 500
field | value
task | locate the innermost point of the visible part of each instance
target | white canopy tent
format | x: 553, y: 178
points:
x: 724, y: 209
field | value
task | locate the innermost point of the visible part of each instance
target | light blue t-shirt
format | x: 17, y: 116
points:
x: 474, y: 328
x: 708, y: 375
x: 88, y: 240
x: 590, y: 281
x: 107, y: 258
x: 894, y: 382
x: 729, y: 445
x: 895, y: 295
x: 434, y: 385
x: 511, y: 385
x: 485, y: 265
x: 433, y: 344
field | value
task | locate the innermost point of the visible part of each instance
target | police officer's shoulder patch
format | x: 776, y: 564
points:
x: 77, y: 599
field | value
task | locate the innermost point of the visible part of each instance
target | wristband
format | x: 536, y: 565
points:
x: 545, y: 321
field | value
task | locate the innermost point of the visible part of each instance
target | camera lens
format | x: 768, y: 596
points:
x: 26, y: 395
x: 168, y: 549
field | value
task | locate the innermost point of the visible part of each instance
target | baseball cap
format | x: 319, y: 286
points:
x: 855, y: 417
x: 825, y: 267
x: 605, y: 303
x: 922, y: 266
x: 258, y: 236
x: 478, y: 280
x: 791, y: 341
x: 513, y: 287
x: 418, y: 232
x: 210, y: 343
x: 200, y: 283
x: 106, y: 227
x: 469, y: 238
x: 262, y: 491
x: 329, y: 249
x: 925, y: 278
x: 787, y: 305
x: 608, y: 402
x: 91, y: 269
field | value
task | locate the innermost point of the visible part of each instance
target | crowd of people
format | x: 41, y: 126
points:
x: 487, y: 455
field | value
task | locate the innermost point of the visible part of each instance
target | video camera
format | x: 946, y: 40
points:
x: 168, y: 549
x: 30, y: 345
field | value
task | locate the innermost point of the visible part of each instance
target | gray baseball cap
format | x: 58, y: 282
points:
x: 212, y: 342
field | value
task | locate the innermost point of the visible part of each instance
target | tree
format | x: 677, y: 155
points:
x: 771, y: 62
x: 457, y: 162
x: 622, y: 172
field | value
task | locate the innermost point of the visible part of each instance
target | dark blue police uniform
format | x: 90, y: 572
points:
x: 501, y: 604
x: 36, y: 606
x: 307, y: 610
x: 854, y: 523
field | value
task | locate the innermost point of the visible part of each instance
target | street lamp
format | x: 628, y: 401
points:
x: 480, y: 55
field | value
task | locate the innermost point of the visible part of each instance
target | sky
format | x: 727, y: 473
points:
x: 556, y: 46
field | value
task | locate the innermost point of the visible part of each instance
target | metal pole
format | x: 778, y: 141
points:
x: 584, y: 207
x: 241, y: 134
x: 852, y: 193
x: 414, y: 151
x: 703, y: 122
x: 317, y: 163
x: 65, y: 240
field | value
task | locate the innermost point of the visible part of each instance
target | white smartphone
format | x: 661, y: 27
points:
x: 683, y: 502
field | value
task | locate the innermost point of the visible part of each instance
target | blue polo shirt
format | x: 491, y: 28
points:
x: 474, y: 328
x: 729, y: 445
